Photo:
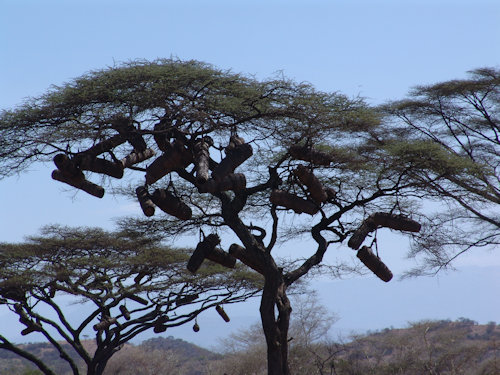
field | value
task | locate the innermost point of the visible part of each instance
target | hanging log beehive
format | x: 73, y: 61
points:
x: 145, y: 201
x: 240, y: 253
x: 79, y: 183
x: 99, y: 165
x: 310, y: 154
x: 135, y: 298
x: 104, y: 324
x: 105, y: 146
x: 221, y: 257
x: 171, y: 205
x: 137, y: 157
x: 232, y: 181
x: 125, y: 312
x: 315, y: 187
x: 202, y: 158
x: 382, y: 219
x: 235, y: 156
x: 293, y: 202
x: 397, y: 222
x: 202, y: 249
x: 374, y: 263
x: 222, y: 313
x: 175, y: 157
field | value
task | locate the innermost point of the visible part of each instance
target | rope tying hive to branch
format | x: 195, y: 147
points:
x: 293, y: 202
x: 313, y: 184
x: 171, y: 205
x: 374, y: 263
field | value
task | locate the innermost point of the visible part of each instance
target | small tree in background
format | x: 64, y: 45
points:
x: 131, y: 282
x: 452, y: 130
x: 251, y: 163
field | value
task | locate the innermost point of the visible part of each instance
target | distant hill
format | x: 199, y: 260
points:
x: 428, y: 347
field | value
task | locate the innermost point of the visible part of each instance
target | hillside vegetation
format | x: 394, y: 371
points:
x: 427, y: 347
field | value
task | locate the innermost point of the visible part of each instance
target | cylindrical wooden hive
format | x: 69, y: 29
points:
x: 99, y: 165
x: 202, y: 158
x: 233, y: 159
x: 310, y: 155
x: 222, y: 313
x: 202, y: 249
x: 125, y: 312
x: 293, y: 202
x: 360, y: 234
x: 221, y: 257
x: 397, y: 222
x: 137, y: 157
x: 171, y: 205
x: 79, y: 183
x: 176, y: 157
x: 315, y: 187
x: 374, y: 263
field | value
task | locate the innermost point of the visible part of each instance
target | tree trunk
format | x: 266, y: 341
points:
x: 276, y: 329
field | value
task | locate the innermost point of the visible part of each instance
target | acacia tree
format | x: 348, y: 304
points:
x: 453, y: 148
x: 131, y: 282
x: 224, y: 154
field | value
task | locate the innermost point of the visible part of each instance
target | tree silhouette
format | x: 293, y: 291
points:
x: 131, y: 282
x: 250, y: 163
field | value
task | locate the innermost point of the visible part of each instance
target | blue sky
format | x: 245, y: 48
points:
x: 376, y: 49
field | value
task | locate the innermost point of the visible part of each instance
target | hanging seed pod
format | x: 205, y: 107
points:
x: 125, y: 312
x: 222, y: 313
x: 310, y: 155
x: 145, y: 201
x: 202, y: 249
x: 239, y: 252
x: 360, y: 234
x: 397, y: 222
x: 135, y: 298
x: 314, y: 186
x: 170, y: 204
x: 186, y: 299
x: 221, y: 257
x: 202, y: 158
x: 293, y: 202
x: 104, y: 324
x: 137, y: 157
x: 79, y: 183
x: 175, y: 157
x: 159, y: 328
x: 233, y: 159
x: 374, y: 263
x: 99, y: 165
x: 196, y: 327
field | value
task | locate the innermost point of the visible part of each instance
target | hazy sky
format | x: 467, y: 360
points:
x: 376, y: 49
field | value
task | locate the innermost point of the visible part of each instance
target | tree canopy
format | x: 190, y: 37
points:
x: 132, y: 283
x: 248, y: 163
x: 452, y: 130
